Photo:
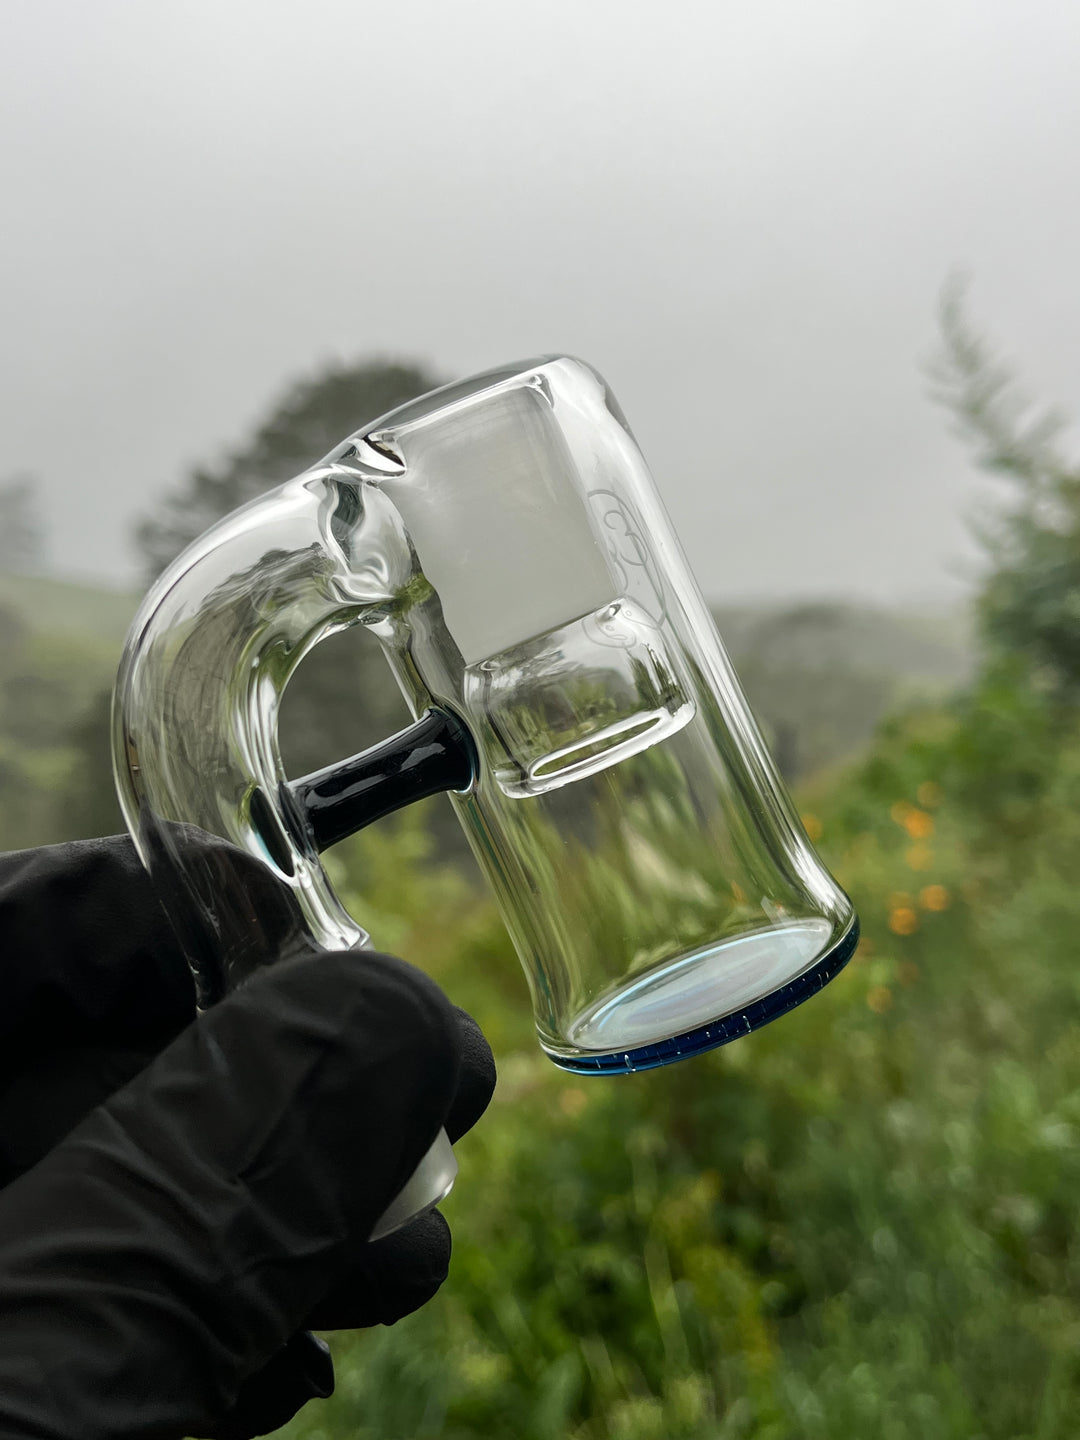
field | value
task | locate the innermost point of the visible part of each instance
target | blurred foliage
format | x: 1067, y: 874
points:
x: 1030, y: 604
x: 862, y: 1221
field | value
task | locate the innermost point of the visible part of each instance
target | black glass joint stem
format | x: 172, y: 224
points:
x: 436, y: 753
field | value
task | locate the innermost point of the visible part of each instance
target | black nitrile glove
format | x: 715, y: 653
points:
x: 160, y: 1265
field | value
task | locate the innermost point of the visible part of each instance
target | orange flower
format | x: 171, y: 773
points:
x: 918, y: 824
x: 934, y: 897
x: 903, y: 920
x: 813, y: 827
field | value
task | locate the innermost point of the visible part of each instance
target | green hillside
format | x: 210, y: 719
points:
x: 820, y: 677
x: 59, y: 647
x: 929, y: 647
x: 63, y: 607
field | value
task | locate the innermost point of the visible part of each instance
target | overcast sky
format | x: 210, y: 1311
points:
x: 742, y: 214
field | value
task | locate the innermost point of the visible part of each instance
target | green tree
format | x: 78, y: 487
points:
x: 307, y: 422
x: 22, y: 532
x: 1029, y: 606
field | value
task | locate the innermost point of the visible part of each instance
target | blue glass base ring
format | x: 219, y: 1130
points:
x: 729, y: 1026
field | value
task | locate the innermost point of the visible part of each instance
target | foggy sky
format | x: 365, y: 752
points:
x: 742, y: 214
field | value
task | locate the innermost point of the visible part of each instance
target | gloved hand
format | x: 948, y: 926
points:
x: 161, y: 1262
